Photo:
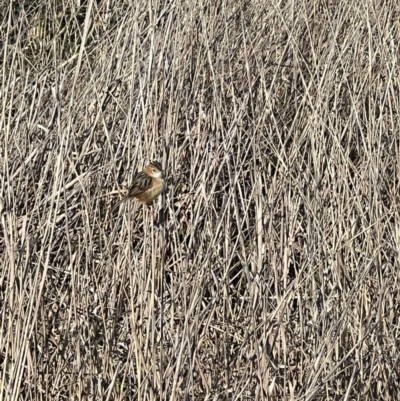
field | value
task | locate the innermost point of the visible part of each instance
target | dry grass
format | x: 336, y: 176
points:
x: 275, y: 275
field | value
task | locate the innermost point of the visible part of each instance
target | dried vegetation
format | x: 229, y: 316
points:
x: 275, y: 273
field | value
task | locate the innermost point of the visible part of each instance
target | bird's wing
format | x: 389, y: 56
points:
x: 141, y: 183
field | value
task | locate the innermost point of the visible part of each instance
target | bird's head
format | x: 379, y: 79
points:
x: 154, y: 169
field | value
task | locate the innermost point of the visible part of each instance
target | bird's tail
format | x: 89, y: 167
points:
x: 118, y: 204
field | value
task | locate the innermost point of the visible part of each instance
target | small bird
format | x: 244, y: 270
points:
x: 147, y: 185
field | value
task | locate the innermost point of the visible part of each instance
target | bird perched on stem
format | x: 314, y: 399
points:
x: 147, y: 185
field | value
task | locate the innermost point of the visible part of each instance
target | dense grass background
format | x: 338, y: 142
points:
x: 275, y: 274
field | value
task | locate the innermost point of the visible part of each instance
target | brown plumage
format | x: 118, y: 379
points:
x: 147, y: 185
